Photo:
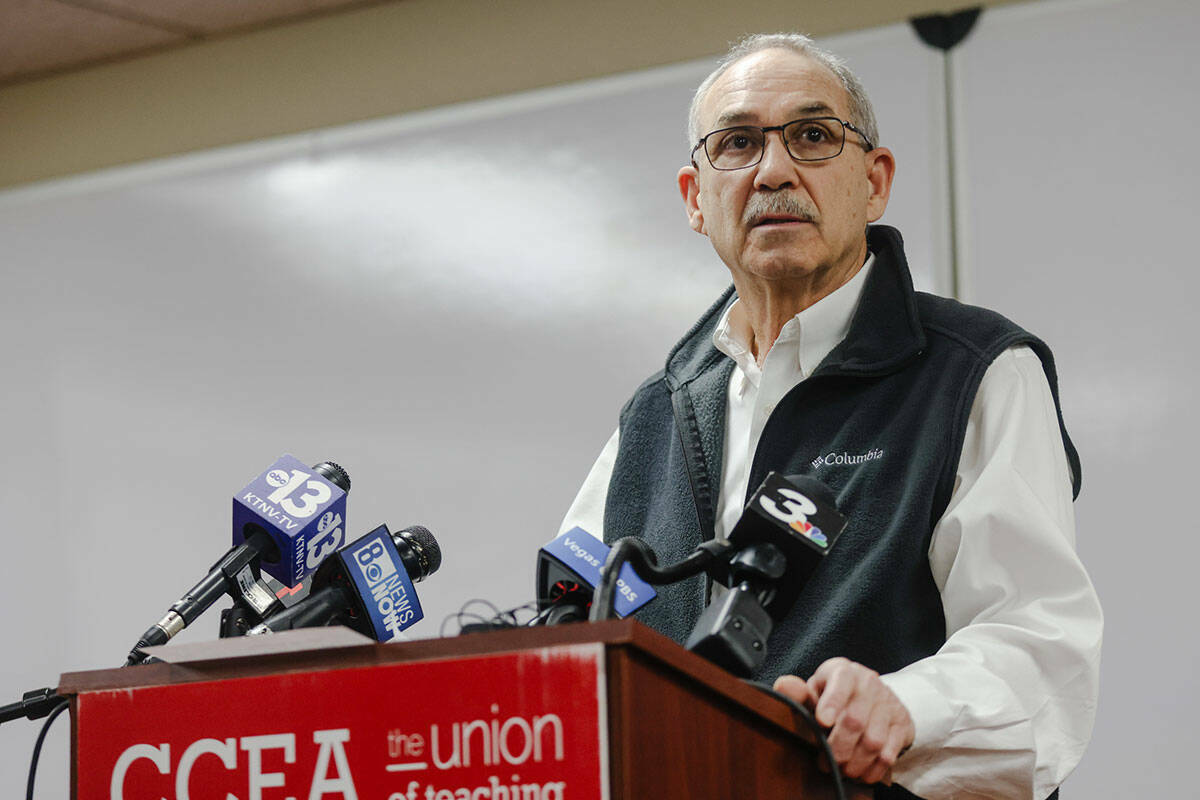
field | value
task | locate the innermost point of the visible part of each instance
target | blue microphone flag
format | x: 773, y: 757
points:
x: 584, y: 554
x: 302, y: 512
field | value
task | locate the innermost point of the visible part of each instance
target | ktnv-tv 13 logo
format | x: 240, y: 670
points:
x: 385, y: 588
x: 302, y: 512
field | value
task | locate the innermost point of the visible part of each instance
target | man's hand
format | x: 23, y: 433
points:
x: 869, y: 726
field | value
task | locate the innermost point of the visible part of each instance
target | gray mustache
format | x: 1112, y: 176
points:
x: 773, y: 205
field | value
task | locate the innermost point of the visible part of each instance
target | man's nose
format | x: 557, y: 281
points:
x: 777, y: 169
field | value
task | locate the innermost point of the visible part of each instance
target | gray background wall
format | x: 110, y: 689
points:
x: 454, y: 304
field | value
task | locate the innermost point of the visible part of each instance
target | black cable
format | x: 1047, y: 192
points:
x: 550, y: 606
x: 539, y: 617
x: 500, y: 618
x: 37, y: 747
x: 811, y: 721
x: 641, y: 557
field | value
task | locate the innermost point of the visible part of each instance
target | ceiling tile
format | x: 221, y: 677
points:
x: 39, y: 36
x: 213, y: 16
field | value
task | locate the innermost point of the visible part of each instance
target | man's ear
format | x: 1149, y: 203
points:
x: 689, y: 189
x: 881, y: 168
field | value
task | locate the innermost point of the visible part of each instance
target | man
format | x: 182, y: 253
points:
x: 950, y: 641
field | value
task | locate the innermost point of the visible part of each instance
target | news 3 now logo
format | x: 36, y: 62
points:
x: 794, y: 509
x: 387, y: 591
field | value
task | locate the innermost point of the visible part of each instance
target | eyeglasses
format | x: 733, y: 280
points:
x: 810, y: 139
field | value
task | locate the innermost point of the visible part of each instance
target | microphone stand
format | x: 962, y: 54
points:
x: 640, y: 556
x: 732, y: 632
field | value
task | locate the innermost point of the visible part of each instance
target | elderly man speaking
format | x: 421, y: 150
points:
x: 950, y: 641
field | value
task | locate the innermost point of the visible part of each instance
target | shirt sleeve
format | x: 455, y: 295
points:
x: 587, y: 511
x: 1005, y: 708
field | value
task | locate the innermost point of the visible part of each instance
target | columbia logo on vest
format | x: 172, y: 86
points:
x: 838, y: 459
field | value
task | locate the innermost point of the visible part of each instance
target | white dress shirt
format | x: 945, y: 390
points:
x: 1005, y: 707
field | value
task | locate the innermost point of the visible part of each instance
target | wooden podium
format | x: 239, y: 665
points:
x: 606, y: 710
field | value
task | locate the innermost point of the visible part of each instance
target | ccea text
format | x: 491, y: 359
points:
x: 330, y: 772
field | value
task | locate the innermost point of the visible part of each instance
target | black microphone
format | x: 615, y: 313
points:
x: 783, y: 535
x: 264, y: 539
x: 366, y: 586
x: 798, y: 515
x: 34, y: 704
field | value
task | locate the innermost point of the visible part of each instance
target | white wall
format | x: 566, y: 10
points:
x: 1080, y: 185
x: 454, y: 305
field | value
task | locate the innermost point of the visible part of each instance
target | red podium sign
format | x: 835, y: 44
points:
x: 528, y: 725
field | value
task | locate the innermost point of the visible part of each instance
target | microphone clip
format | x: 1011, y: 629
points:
x: 732, y: 632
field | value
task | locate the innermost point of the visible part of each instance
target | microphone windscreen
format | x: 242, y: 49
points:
x: 427, y: 547
x: 334, y: 473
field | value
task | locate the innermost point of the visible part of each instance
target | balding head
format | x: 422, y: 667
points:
x: 858, y: 104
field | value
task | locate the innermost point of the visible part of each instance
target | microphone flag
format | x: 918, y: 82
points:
x: 577, y: 556
x: 302, y: 512
x: 386, y: 588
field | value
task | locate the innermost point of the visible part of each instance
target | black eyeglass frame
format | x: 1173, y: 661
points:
x: 846, y: 125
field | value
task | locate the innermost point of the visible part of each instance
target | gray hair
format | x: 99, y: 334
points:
x: 861, y: 114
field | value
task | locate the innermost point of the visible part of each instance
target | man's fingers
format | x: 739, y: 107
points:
x: 795, y: 688
x: 868, y: 725
x: 874, y: 756
x: 876, y: 773
x: 846, y: 738
x: 835, y: 682
x: 900, y: 736
x: 844, y: 744
x: 881, y: 769
x: 825, y: 672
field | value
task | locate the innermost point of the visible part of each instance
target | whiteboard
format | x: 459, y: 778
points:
x: 453, y: 305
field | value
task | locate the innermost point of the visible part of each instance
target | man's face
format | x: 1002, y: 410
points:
x: 827, y: 203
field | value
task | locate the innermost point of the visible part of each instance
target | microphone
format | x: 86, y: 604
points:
x: 797, y: 514
x: 783, y: 535
x: 568, y: 572
x: 275, y: 529
x: 302, y: 510
x: 367, y: 586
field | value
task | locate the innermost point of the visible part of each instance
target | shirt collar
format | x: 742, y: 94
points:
x: 810, y: 335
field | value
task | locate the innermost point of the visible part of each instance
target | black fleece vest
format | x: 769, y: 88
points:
x: 881, y: 421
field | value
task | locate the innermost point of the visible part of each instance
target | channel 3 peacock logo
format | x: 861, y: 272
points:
x: 793, y: 508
